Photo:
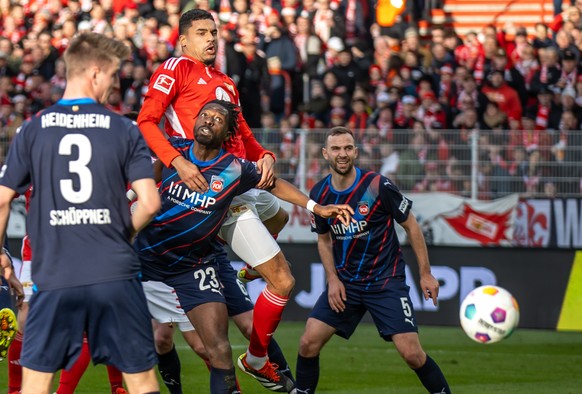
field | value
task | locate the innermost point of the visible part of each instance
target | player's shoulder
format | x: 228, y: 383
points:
x: 174, y: 64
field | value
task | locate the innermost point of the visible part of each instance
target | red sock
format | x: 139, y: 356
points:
x: 266, y: 317
x: 115, y: 378
x: 70, y: 378
x: 14, y: 367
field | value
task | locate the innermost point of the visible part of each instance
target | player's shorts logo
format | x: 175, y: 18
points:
x: 222, y: 94
x: 363, y: 208
x: 164, y: 83
x: 216, y: 183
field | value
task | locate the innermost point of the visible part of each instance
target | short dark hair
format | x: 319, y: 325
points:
x: 339, y: 130
x: 232, y: 116
x: 190, y: 16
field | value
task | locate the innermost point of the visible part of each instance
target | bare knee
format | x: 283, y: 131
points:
x: 309, y: 346
x: 414, y: 358
x: 164, y: 338
x: 220, y: 354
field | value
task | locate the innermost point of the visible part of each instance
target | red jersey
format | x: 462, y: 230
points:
x: 26, y: 250
x: 178, y: 90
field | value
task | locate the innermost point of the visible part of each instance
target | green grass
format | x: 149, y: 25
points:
x: 531, y: 361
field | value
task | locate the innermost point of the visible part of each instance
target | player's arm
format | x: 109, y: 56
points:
x: 157, y: 100
x: 336, y: 290
x: 428, y: 283
x: 6, y: 268
x: 149, y: 203
x: 286, y: 191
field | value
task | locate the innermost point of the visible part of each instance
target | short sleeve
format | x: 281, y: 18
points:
x: 250, y: 175
x: 319, y: 225
x: 398, y: 205
x: 139, y: 162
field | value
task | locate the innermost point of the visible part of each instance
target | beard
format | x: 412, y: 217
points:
x: 342, y: 169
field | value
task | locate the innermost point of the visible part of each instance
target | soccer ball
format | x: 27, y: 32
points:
x: 489, y: 314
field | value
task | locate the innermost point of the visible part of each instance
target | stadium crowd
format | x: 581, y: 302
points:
x: 415, y: 101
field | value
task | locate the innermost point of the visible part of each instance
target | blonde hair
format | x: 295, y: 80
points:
x: 88, y: 49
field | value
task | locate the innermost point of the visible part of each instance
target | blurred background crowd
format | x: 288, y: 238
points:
x: 496, y: 110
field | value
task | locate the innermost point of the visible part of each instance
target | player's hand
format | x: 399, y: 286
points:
x: 190, y: 174
x: 430, y: 287
x: 336, y: 295
x: 341, y: 211
x: 17, y: 289
x: 6, y: 266
x: 266, y: 167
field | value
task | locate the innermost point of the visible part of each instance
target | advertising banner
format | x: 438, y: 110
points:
x: 544, y: 282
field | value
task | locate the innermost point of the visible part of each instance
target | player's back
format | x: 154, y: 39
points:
x: 81, y: 156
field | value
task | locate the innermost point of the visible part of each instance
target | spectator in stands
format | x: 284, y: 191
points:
x: 527, y: 65
x: 347, y: 71
x: 531, y: 138
x: 547, y: 111
x: 412, y: 159
x: 511, y: 75
x: 327, y: 21
x: 507, y: 98
x: 549, y: 72
x: 541, y: 39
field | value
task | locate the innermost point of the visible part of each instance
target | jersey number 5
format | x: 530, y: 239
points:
x: 79, y: 167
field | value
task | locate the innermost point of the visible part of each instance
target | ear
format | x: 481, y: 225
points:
x: 324, y: 153
x: 182, y: 40
x: 229, y: 135
x: 356, y: 152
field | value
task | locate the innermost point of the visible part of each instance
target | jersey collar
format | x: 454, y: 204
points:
x: 199, y: 163
x: 349, y: 189
x: 78, y: 101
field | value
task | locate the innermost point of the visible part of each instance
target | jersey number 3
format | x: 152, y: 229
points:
x: 78, y: 167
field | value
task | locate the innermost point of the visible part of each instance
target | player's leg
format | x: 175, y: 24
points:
x: 240, y: 309
x: 169, y: 364
x: 69, y: 379
x: 211, y: 322
x: 200, y: 295
x: 244, y: 322
x: 274, y: 219
x: 393, y: 313
x: 48, y: 347
x: 427, y: 370
x: 15, y: 349
x: 36, y: 382
x: 167, y: 312
x: 115, y: 380
x: 119, y: 332
x: 322, y: 323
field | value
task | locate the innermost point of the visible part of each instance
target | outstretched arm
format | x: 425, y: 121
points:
x: 428, y: 283
x: 286, y: 191
x: 336, y: 291
x: 6, y: 269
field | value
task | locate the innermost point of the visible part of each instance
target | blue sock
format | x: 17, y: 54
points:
x: 307, y: 374
x: 169, y: 367
x: 432, y: 377
x: 276, y: 356
x: 223, y: 381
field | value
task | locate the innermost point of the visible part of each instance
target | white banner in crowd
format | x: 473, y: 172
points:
x: 451, y: 220
x: 446, y: 219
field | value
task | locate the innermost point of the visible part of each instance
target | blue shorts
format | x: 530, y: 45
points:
x: 114, y: 315
x: 237, y: 297
x: 390, y: 308
x: 198, y: 286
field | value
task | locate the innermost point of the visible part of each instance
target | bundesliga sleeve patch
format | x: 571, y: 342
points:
x: 164, y: 83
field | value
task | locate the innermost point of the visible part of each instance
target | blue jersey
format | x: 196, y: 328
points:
x: 366, y: 253
x: 80, y: 157
x: 183, y: 235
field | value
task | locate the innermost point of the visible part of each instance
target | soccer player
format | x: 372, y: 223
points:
x: 168, y: 313
x: 364, y: 266
x: 79, y: 156
x: 178, y: 90
x: 179, y: 247
x: 70, y: 378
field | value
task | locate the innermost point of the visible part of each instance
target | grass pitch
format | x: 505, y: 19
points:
x: 531, y: 361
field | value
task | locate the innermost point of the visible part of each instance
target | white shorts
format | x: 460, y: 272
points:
x: 244, y: 231
x: 24, y: 276
x: 164, y: 305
